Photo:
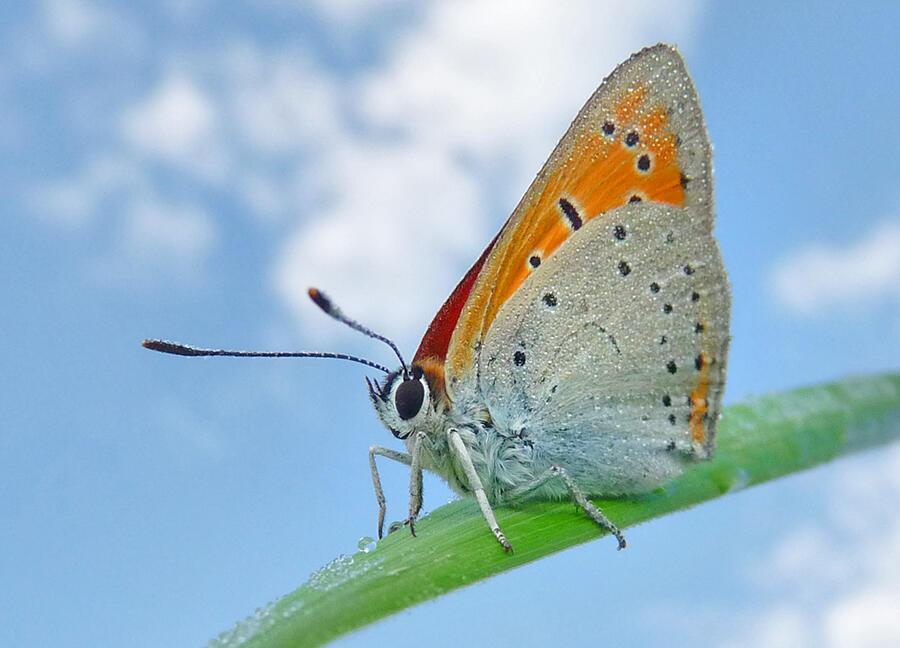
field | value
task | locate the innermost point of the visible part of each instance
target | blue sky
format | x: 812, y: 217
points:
x: 186, y: 169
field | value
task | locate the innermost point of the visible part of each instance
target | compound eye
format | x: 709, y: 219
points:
x: 409, y: 397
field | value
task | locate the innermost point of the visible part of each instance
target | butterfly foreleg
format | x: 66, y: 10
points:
x: 403, y: 458
x: 415, y: 481
x: 556, y: 472
x: 462, y: 453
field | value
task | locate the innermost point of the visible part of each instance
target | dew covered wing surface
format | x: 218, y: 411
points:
x: 640, y: 137
x: 611, y: 357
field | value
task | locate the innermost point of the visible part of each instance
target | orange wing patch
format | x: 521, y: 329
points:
x: 631, y: 157
x: 699, y: 406
x: 640, y: 137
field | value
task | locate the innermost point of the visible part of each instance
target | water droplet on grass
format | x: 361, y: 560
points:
x: 366, y: 544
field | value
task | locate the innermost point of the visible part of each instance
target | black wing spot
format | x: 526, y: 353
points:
x: 634, y: 199
x: 549, y: 299
x: 654, y: 287
x: 688, y: 270
x: 643, y: 163
x: 672, y: 419
x: 698, y: 327
x: 667, y: 308
x: 608, y: 128
x: 695, y: 296
x: 632, y: 139
x: 667, y: 400
x: 624, y: 268
x: 534, y: 261
x: 684, y: 181
x: 671, y: 366
x: 619, y: 232
x: 663, y: 340
x: 612, y: 340
x: 519, y: 358
x: 698, y: 362
x: 571, y: 214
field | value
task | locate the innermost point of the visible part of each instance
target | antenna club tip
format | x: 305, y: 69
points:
x: 169, y: 347
x: 320, y: 299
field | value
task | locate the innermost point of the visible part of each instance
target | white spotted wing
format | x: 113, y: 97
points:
x: 610, y: 358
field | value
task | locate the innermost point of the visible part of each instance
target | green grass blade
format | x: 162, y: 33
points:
x: 758, y: 441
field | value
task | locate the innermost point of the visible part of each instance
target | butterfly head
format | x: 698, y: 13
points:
x: 403, y: 401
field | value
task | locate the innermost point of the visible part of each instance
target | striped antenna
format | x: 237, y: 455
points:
x: 184, y: 350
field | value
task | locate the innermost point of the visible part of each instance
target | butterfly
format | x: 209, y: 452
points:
x: 584, y: 353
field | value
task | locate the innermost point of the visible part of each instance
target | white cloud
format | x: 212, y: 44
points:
x: 839, y: 584
x: 394, y: 177
x: 262, y: 194
x: 353, y: 12
x: 198, y: 119
x: 156, y: 242
x: 74, y: 22
x: 279, y: 104
x: 184, y: 10
x: 67, y: 27
x: 821, y: 277
x: 509, y: 77
x: 134, y: 232
x: 167, y: 233
x: 76, y: 200
x: 781, y: 627
x: 375, y: 250
x: 177, y: 123
x: 474, y: 87
x: 866, y: 618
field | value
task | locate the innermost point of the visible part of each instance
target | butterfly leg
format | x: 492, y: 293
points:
x: 403, y: 458
x: 415, y: 482
x: 456, y: 443
x: 556, y: 472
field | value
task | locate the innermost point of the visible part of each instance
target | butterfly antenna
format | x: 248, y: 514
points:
x: 184, y: 350
x: 328, y: 306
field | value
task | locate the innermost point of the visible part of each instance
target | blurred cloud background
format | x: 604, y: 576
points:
x: 186, y: 169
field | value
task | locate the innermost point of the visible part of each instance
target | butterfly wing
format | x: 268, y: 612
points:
x: 611, y: 358
x: 640, y: 137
